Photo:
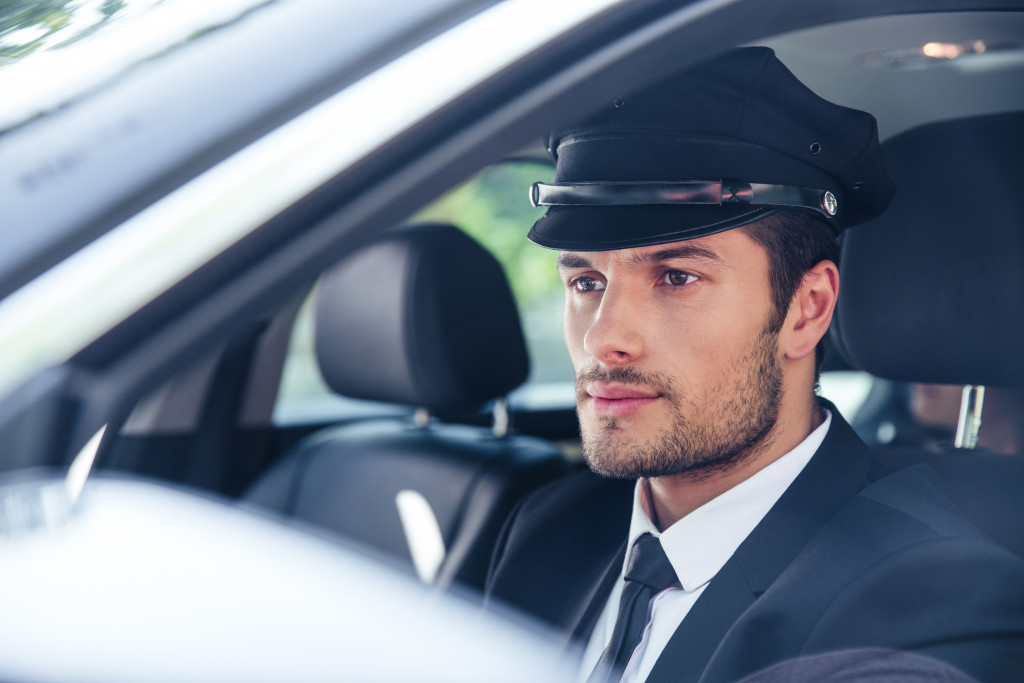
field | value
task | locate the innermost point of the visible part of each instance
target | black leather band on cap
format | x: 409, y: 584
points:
x: 599, y: 228
x: 689, y: 192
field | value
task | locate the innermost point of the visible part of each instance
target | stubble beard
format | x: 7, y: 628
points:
x: 726, y: 426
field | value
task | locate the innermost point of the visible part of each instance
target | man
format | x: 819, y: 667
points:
x: 696, y: 223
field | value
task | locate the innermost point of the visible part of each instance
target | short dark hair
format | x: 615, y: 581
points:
x: 795, y: 242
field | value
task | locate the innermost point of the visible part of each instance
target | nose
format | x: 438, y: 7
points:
x: 616, y: 334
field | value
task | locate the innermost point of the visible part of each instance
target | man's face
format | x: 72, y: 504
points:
x: 676, y: 370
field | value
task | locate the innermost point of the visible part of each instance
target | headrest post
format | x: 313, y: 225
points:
x: 501, y: 418
x: 970, y: 416
x: 421, y: 418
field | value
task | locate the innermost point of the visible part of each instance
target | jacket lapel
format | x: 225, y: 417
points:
x: 693, y: 643
x: 835, y: 474
x: 597, y: 596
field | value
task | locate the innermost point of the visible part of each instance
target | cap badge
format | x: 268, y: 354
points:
x: 830, y: 203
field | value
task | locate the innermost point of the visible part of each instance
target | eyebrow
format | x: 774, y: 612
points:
x: 568, y: 260
x: 691, y: 251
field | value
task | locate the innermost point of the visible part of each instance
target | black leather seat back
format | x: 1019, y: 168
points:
x: 422, y: 316
x: 986, y: 486
x: 347, y: 479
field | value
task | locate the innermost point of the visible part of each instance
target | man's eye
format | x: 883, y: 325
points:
x: 679, y: 277
x: 587, y: 284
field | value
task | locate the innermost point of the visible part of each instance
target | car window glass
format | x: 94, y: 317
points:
x: 53, y: 51
x: 847, y: 389
x: 493, y: 208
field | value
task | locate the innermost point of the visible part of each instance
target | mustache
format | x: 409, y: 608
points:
x: 623, y: 375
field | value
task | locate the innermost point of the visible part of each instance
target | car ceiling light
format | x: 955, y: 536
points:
x: 113, y: 277
x: 935, y: 52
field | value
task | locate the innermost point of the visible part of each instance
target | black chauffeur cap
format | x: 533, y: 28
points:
x: 716, y: 147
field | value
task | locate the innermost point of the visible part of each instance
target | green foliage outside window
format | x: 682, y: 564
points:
x: 494, y: 208
x: 44, y: 18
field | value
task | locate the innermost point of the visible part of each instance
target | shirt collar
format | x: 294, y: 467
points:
x: 699, y: 544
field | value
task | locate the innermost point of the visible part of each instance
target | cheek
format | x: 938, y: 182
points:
x: 700, y: 349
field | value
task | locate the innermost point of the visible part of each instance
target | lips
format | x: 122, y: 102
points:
x: 618, y: 400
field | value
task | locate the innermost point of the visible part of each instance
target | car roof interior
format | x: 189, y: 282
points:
x: 881, y: 65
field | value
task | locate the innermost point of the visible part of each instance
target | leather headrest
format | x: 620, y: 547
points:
x: 933, y: 289
x: 421, y: 316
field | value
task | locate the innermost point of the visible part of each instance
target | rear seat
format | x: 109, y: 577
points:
x: 423, y: 316
x: 933, y: 291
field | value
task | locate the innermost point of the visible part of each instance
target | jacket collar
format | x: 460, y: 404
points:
x: 837, y: 472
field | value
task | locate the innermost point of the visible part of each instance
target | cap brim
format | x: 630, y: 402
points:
x: 604, y: 228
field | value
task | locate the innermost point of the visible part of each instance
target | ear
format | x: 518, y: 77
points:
x: 810, y: 311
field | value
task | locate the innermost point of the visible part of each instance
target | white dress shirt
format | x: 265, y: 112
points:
x: 698, y: 546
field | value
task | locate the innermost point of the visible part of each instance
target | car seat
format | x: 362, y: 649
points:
x: 933, y: 291
x: 421, y: 316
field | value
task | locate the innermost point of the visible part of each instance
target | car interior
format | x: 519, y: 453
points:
x: 427, y: 455
x: 443, y: 331
x: 428, y: 416
x: 435, y: 313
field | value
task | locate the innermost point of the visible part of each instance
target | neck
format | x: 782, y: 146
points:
x: 675, y: 496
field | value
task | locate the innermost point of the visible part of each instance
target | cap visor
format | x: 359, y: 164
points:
x: 604, y: 228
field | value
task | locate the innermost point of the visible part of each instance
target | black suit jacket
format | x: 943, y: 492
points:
x: 851, y: 556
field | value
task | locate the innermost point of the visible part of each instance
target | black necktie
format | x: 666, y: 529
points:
x: 648, y: 573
